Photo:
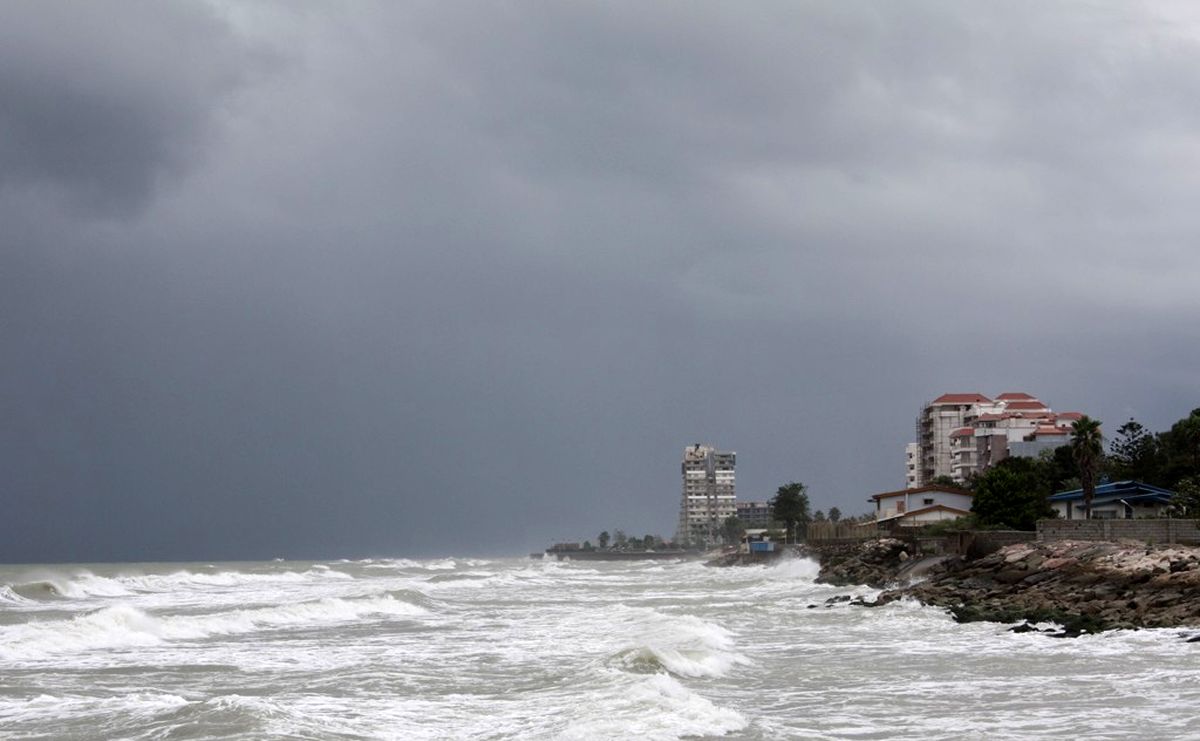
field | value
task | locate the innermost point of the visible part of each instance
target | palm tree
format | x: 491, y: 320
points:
x: 1086, y: 448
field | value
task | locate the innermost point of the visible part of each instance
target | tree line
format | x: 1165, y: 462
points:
x: 791, y: 511
x: 622, y: 542
x: 1014, y: 492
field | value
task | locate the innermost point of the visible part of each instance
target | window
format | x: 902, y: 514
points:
x: 928, y: 501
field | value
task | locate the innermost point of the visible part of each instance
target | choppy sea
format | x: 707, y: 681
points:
x: 525, y: 649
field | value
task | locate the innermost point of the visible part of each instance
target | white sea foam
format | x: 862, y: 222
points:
x: 17, y: 714
x: 124, y: 626
x: 521, y: 649
x: 186, y: 579
x: 9, y: 596
x: 657, y: 707
x: 797, y: 569
x: 683, y: 645
x: 83, y: 585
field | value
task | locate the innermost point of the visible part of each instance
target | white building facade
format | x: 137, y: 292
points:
x: 912, y: 456
x: 961, y: 435
x: 921, y: 506
x: 709, y: 494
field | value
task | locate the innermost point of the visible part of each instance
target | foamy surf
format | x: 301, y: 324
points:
x: 656, y: 707
x: 682, y: 645
x: 525, y: 649
x: 125, y: 626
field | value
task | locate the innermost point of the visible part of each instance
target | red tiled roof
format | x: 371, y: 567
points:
x: 1015, y: 396
x: 961, y: 399
x: 1026, y: 405
x: 962, y: 432
x: 1070, y: 415
x: 921, y: 490
x: 1051, y: 430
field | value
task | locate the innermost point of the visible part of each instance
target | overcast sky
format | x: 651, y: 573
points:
x: 315, y: 280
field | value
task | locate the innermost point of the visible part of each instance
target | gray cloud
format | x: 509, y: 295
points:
x: 98, y: 105
x: 429, y: 277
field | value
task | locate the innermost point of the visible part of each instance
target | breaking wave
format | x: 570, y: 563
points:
x: 83, y: 585
x: 656, y: 707
x: 682, y: 645
x: 125, y: 626
x: 802, y: 569
x: 10, y: 596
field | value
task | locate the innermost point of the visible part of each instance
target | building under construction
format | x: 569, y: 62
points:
x: 708, y: 494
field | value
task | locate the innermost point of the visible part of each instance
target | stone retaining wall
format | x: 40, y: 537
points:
x: 1156, y: 531
x: 978, y: 543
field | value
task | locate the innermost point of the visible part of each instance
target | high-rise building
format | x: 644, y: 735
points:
x: 938, y: 420
x: 959, y: 435
x: 708, y: 494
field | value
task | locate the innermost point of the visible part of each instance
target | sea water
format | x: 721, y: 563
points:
x: 533, y: 649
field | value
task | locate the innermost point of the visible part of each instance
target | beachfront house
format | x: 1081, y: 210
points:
x: 756, y: 540
x: 1121, y: 500
x: 921, y: 506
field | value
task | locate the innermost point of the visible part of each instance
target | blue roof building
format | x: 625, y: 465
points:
x: 1122, y: 500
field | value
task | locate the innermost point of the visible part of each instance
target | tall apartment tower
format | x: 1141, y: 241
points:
x: 937, y: 420
x: 708, y: 494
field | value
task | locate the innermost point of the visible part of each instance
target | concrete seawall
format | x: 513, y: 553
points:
x: 1156, y: 531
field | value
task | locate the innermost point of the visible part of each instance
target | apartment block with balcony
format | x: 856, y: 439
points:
x: 708, y: 496
x: 938, y: 420
x: 961, y: 435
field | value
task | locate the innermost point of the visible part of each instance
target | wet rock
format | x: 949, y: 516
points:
x: 1084, y: 587
x: 1011, y: 576
x: 873, y: 563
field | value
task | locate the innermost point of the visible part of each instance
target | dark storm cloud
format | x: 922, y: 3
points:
x: 98, y: 102
x: 465, y: 278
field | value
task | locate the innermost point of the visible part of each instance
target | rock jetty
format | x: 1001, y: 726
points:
x: 875, y: 563
x: 1085, y: 587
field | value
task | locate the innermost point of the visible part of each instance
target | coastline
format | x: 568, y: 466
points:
x: 1084, y: 586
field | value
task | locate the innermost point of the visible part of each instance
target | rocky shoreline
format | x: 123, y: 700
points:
x: 1083, y: 586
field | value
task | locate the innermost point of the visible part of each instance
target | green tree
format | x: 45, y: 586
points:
x: 1087, y: 445
x: 647, y: 542
x: 1133, y: 453
x: 732, y: 529
x: 1186, y: 502
x: 603, y: 538
x: 587, y: 545
x: 1180, y: 449
x: 945, y: 480
x: 835, y: 514
x: 790, y: 506
x: 1013, y: 494
x: 1059, y: 467
x: 819, y: 516
x: 620, y: 539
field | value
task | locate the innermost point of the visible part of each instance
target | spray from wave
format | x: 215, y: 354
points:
x: 682, y: 645
x: 125, y: 626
